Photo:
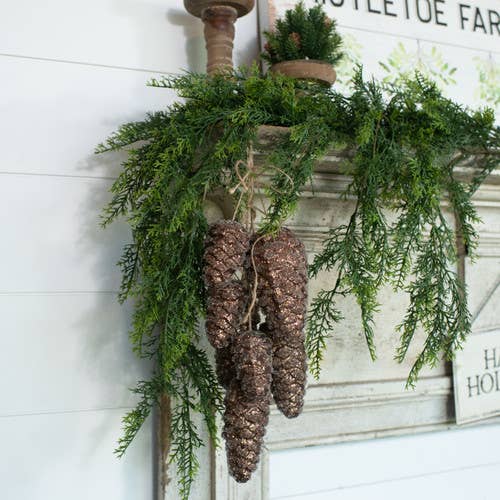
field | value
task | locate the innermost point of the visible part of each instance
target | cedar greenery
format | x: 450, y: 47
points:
x: 303, y: 34
x: 406, y: 141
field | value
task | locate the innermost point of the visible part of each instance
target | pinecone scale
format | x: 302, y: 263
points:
x: 253, y: 362
x: 226, y: 246
x: 224, y: 310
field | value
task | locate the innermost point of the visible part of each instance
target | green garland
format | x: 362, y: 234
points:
x: 407, y: 142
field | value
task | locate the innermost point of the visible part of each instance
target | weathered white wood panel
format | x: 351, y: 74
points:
x: 347, y: 359
x: 357, y: 398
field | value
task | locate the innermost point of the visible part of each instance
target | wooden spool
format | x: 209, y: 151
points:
x: 307, y: 69
x: 219, y: 17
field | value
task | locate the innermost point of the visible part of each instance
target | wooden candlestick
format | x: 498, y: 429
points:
x: 219, y: 17
x: 219, y: 35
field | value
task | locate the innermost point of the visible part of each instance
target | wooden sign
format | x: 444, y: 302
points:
x: 477, y: 377
x: 469, y: 25
x: 453, y: 42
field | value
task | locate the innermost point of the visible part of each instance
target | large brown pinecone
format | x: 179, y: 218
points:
x: 226, y: 246
x: 224, y: 366
x: 252, y: 353
x: 244, y: 428
x: 224, y: 309
x: 289, y: 375
x: 281, y: 265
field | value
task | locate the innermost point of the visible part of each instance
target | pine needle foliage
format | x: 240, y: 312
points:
x: 407, y: 143
x: 303, y: 34
x: 409, y: 140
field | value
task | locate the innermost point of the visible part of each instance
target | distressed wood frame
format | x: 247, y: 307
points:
x: 335, y: 413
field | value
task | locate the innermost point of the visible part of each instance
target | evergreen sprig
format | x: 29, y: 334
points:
x: 407, y: 143
x: 303, y: 34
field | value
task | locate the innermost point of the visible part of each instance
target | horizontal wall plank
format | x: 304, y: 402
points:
x: 156, y: 35
x: 358, y: 467
x: 464, y: 484
x: 68, y: 352
x: 56, y: 114
x: 51, y: 236
x: 71, y: 456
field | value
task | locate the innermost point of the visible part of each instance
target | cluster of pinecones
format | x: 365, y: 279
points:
x: 269, y: 358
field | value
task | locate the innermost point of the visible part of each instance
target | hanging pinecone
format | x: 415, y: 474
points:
x: 252, y: 364
x: 252, y: 359
x: 281, y: 265
x: 289, y: 375
x: 226, y: 246
x: 224, y: 366
x: 225, y: 306
x: 244, y: 428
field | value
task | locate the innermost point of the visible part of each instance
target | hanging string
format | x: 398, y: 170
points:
x: 253, y: 302
x: 247, y: 184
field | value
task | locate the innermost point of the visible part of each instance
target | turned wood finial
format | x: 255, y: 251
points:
x: 219, y: 17
x: 219, y: 35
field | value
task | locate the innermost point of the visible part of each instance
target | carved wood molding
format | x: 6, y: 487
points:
x: 337, y: 413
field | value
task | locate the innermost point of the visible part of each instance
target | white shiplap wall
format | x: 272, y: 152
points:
x: 70, y: 73
x: 458, y: 464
